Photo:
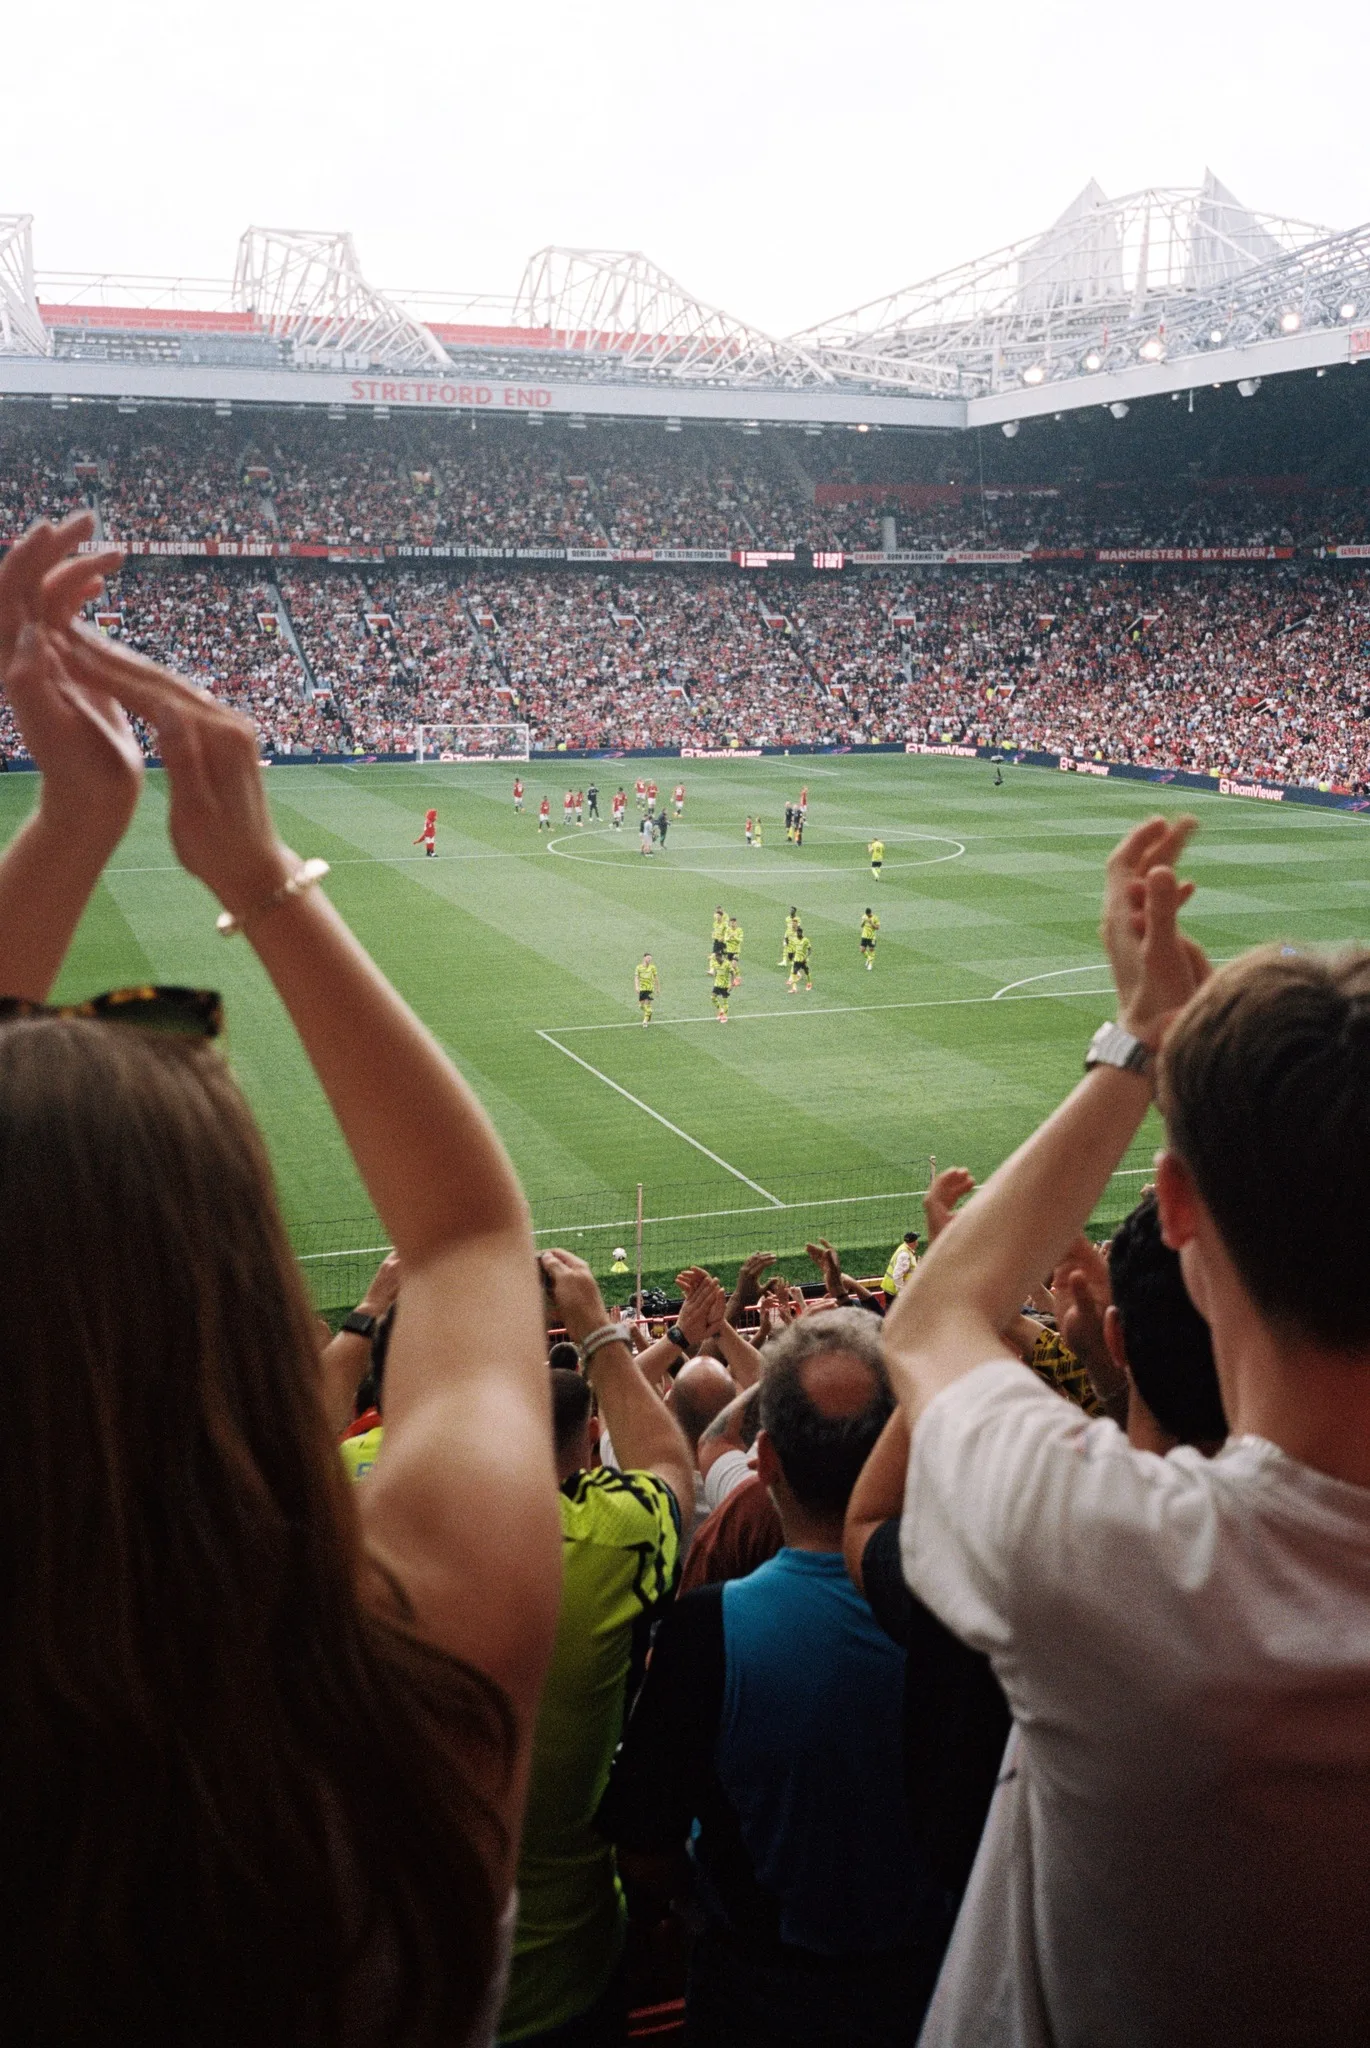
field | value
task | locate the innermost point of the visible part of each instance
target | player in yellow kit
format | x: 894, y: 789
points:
x: 800, y: 959
x: 719, y: 943
x: 647, y: 980
x: 787, y: 943
x: 732, y: 946
x: 876, y: 850
x: 870, y: 931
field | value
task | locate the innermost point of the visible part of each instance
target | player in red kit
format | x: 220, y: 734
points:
x: 518, y: 794
x: 545, y: 815
x: 679, y: 798
x: 428, y: 838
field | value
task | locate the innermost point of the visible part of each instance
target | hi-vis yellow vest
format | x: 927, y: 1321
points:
x: 888, y: 1281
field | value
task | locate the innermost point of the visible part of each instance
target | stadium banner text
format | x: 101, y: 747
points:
x: 800, y: 559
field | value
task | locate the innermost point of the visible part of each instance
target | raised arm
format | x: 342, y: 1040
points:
x: 647, y: 1437
x: 461, y: 1505
x: 878, y: 1494
x: 949, y: 1315
x: 90, y: 762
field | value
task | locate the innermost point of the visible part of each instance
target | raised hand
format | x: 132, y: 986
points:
x: 950, y: 1186
x: 91, y: 762
x: 220, y: 823
x: 1156, y: 968
x: 702, y: 1309
x: 829, y: 1264
x: 575, y: 1291
x: 749, y: 1273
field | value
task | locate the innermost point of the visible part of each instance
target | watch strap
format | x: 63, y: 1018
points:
x: 359, y: 1324
x: 675, y: 1335
x: 1112, y: 1046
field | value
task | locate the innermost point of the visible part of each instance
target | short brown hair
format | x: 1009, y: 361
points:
x: 1265, y: 1088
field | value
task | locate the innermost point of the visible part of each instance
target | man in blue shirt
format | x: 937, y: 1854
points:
x: 768, y: 1736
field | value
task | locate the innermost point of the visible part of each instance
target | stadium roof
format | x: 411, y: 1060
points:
x: 1119, y: 298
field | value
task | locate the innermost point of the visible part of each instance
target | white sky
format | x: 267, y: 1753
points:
x: 784, y: 161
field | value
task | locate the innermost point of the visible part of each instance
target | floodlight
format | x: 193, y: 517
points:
x: 380, y: 412
x: 1010, y: 428
x: 223, y: 408
x: 1290, y: 322
x: 863, y: 428
x: 1094, y: 361
x: 534, y: 419
x: 1347, y: 310
x: 1216, y: 336
x: 1322, y: 373
x: 576, y: 422
x: 127, y: 405
x: 1152, y: 350
x: 673, y: 426
x: 1248, y: 386
x: 337, y: 412
x: 813, y: 428
x: 1120, y: 408
x: 1033, y: 374
x: 59, y: 401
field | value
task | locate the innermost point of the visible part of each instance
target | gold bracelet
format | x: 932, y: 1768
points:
x: 304, y: 878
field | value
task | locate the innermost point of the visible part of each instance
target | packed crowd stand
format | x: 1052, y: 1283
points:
x: 976, y: 1658
x: 358, y: 483
x: 1260, y: 671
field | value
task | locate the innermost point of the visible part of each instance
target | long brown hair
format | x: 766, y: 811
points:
x: 236, y: 1804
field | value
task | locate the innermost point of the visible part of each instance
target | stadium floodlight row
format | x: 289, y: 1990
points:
x: 1121, y: 299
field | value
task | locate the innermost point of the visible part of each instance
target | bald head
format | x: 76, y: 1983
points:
x: 825, y: 1398
x: 701, y: 1391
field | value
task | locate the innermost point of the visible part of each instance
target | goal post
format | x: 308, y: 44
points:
x: 471, y: 743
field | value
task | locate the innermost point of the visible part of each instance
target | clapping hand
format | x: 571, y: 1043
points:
x: 703, y: 1305
x: 748, y: 1288
x: 951, y: 1185
x: 91, y: 762
x: 1156, y: 968
x: 829, y: 1265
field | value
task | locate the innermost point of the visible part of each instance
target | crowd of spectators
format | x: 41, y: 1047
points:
x: 975, y: 1658
x: 1259, y: 671
x: 284, y: 479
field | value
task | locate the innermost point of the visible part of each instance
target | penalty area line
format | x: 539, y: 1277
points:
x: 665, y: 1122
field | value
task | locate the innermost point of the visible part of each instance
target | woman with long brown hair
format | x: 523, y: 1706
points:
x: 263, y: 1738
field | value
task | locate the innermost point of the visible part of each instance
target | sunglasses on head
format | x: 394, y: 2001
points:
x: 179, y: 1012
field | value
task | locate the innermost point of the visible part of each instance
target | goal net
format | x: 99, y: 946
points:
x: 470, y: 743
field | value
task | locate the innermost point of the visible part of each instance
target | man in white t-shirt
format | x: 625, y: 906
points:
x: 1177, y: 1850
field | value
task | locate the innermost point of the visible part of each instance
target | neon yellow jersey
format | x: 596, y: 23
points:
x: 359, y: 1453
x: 646, y: 979
x: 802, y: 949
x: 620, y: 1556
x: 720, y: 924
x: 734, y: 937
x: 876, y: 849
x: 869, y: 927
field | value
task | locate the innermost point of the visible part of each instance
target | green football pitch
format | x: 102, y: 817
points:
x: 806, y: 1113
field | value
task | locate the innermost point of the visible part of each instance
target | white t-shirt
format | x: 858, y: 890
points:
x: 1179, y: 1849
x: 728, y: 1471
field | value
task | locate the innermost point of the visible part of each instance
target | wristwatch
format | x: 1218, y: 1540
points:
x: 360, y: 1324
x: 1112, y: 1046
x: 675, y: 1335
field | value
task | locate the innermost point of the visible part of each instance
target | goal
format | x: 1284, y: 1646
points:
x: 470, y: 743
